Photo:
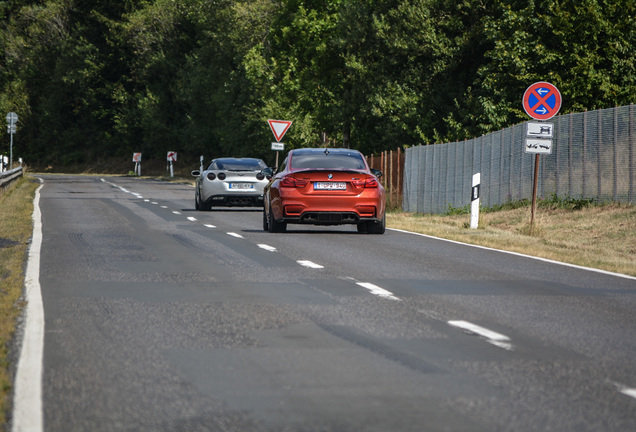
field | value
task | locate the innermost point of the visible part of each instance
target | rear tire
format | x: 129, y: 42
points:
x: 265, y: 221
x: 206, y: 207
x: 363, y: 227
x: 273, y: 226
x: 377, y: 227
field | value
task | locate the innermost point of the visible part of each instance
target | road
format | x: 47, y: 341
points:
x: 162, y: 318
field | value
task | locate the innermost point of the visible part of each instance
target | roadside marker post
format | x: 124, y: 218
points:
x: 474, y: 201
x: 541, y: 101
x: 137, y: 161
x: 172, y: 157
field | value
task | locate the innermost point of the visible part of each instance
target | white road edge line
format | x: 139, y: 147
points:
x: 378, y: 291
x: 309, y: 264
x: 27, y: 398
x: 267, y: 247
x: 494, y: 338
x: 624, y: 276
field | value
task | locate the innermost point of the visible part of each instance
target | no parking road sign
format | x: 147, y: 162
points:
x: 542, y: 101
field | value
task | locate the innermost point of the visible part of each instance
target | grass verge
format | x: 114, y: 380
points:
x: 16, y: 208
x: 601, y: 236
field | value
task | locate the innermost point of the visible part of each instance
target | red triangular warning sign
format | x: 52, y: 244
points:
x: 279, y: 127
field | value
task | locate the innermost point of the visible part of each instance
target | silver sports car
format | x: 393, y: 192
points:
x: 230, y: 182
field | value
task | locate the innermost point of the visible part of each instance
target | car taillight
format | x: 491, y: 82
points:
x: 291, y: 182
x: 211, y: 176
x: 221, y: 176
x: 369, y: 182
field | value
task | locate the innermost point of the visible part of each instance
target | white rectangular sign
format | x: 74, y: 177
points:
x: 278, y: 146
x: 540, y: 130
x: 542, y: 146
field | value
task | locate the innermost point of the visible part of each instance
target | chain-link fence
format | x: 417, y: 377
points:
x: 593, y: 157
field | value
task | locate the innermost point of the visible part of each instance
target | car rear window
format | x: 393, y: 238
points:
x: 331, y: 160
x: 238, y: 165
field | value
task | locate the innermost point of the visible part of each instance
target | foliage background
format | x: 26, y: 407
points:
x: 95, y: 81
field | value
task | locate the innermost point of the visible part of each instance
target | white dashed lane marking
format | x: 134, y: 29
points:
x: 310, y: 264
x: 267, y: 247
x: 629, y: 392
x: 492, y: 337
x: 378, y: 291
x: 233, y: 234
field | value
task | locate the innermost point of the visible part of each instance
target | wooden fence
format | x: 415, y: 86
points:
x: 391, y: 163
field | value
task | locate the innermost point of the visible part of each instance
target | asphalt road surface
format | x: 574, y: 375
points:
x: 162, y: 318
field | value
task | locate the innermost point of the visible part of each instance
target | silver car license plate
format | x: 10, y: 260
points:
x: 330, y: 186
x: 241, y: 186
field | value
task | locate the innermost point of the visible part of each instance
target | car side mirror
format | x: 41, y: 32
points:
x: 195, y: 173
x: 376, y: 172
x: 268, y: 172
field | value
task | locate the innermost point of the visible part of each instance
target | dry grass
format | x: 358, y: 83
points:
x: 602, y: 237
x: 16, y: 208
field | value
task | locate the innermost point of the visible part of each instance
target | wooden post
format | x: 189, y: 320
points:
x: 391, y: 177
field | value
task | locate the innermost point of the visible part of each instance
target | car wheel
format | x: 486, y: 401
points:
x: 265, y: 222
x: 378, y: 227
x: 197, y: 204
x: 273, y: 226
x: 205, y: 207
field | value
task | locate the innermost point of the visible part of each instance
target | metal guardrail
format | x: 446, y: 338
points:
x: 8, y: 176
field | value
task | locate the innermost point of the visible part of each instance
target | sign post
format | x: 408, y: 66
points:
x: 279, y: 128
x: 12, y: 119
x: 541, y: 101
x: 172, y: 157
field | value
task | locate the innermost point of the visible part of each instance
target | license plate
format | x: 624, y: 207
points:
x: 330, y: 186
x: 241, y: 186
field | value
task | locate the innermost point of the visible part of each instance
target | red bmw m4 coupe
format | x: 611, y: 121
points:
x: 324, y: 186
